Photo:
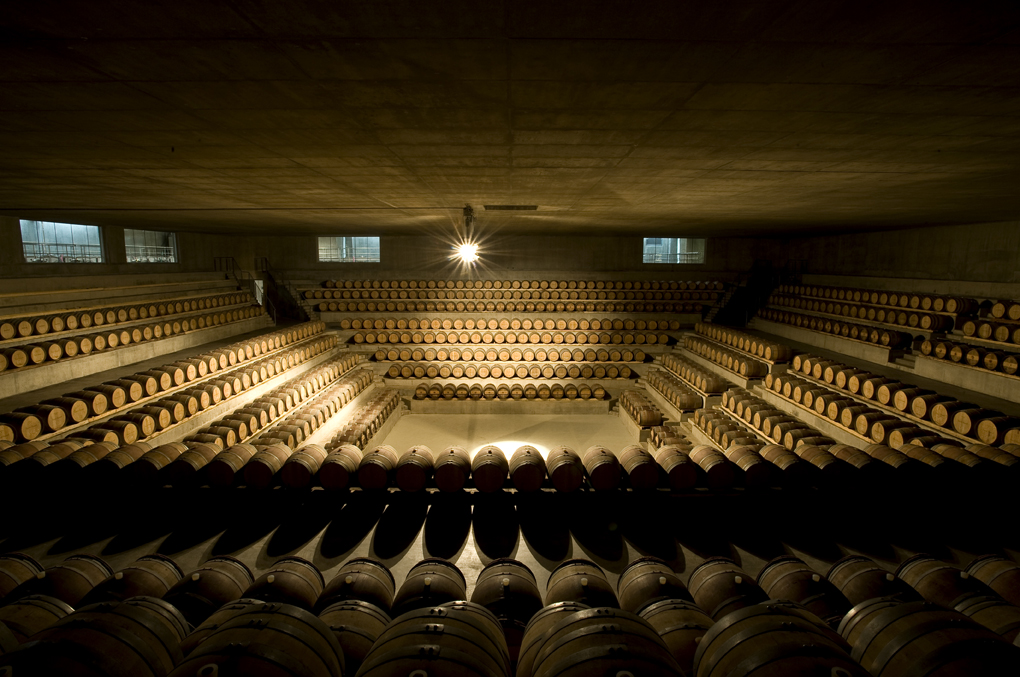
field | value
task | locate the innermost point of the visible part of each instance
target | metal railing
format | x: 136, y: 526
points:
x: 244, y: 279
x: 150, y: 254
x: 51, y: 252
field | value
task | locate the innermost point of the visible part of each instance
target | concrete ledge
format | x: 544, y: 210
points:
x: 868, y: 352
x: 176, y: 433
x: 990, y: 383
x: 510, y: 407
x: 335, y: 316
x: 87, y: 297
x: 719, y: 370
x: 820, y: 423
x: 673, y: 414
x: 639, y: 434
x: 21, y: 381
x: 323, y: 435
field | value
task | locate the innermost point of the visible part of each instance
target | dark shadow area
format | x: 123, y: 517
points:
x: 301, y: 524
x: 447, y: 525
x: 594, y: 521
x: 697, y: 528
x: 645, y: 526
x: 399, y: 524
x: 353, y: 515
x: 495, y: 523
x: 152, y: 515
x: 210, y: 512
x: 253, y: 516
x: 544, y: 525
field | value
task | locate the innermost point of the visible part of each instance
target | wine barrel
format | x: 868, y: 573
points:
x: 490, y: 469
x: 29, y: 615
x: 375, y: 467
x: 720, y: 587
x: 641, y: 468
x: 302, y: 466
x: 339, y: 466
x: 414, y: 468
x: 430, y: 582
x: 602, y: 467
x: 360, y: 579
x: 452, y: 468
x: 681, y: 625
x: 264, y: 639
x: 356, y: 625
x: 580, y: 580
x: 892, y: 638
x: 16, y: 568
x: 458, y: 639
x: 676, y: 462
x: 773, y: 638
x: 207, y: 588
x: 290, y: 580
x: 264, y: 466
x: 536, y: 629
x: 789, y: 578
x: 527, y: 469
x: 647, y: 580
x: 148, y: 576
x: 718, y: 470
x: 139, y: 637
x: 939, y: 582
x: 994, y: 613
x: 603, y: 642
x: 997, y: 572
x: 566, y: 471
x: 859, y: 579
x: 68, y: 581
x: 509, y: 590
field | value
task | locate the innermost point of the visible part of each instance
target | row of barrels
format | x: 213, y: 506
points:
x: 974, y: 356
x: 672, y: 285
x: 182, y: 463
x: 666, y: 434
x: 970, y: 420
x: 55, y: 414
x: 71, y: 320
x: 676, y: 392
x: 508, y: 307
x: 737, y: 362
x: 640, y: 409
x: 335, y: 381
x: 541, y: 354
x: 516, y: 391
x: 488, y: 337
x: 367, y: 421
x: 497, y: 370
x: 991, y: 331
x: 702, y: 379
x: 898, y: 318
x: 955, y: 305
x: 19, y: 357
x: 308, y: 417
x: 857, y: 332
x: 772, y: 422
x: 508, y: 294
x: 516, y: 324
x: 746, y: 343
x: 919, y: 458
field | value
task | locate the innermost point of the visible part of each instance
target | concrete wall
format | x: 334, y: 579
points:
x: 195, y: 253
x: 507, y: 256
x: 984, y: 252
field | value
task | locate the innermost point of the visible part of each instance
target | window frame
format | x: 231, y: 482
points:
x: 173, y: 247
x: 675, y: 252
x: 55, y: 245
x: 353, y: 246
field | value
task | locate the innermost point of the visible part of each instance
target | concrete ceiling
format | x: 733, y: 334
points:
x: 655, y: 117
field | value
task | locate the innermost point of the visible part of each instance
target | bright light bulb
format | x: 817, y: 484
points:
x: 467, y: 252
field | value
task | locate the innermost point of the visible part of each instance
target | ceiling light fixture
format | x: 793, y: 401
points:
x: 467, y: 252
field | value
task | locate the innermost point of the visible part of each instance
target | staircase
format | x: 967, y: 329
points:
x: 283, y: 294
x: 750, y: 293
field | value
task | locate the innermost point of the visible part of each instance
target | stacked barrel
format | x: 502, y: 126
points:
x: 770, y: 351
x: 694, y: 375
x: 732, y: 360
x: 640, y: 409
x: 66, y: 335
x: 868, y: 334
x: 517, y: 391
x: 676, y: 392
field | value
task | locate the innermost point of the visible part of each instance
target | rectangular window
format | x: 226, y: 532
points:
x: 349, y: 249
x: 674, y: 250
x: 150, y: 246
x: 49, y: 242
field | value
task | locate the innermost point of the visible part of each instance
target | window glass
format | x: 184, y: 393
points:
x: 50, y: 242
x: 674, y: 250
x: 150, y: 246
x: 336, y: 249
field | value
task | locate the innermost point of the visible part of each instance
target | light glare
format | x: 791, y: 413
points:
x: 467, y: 252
